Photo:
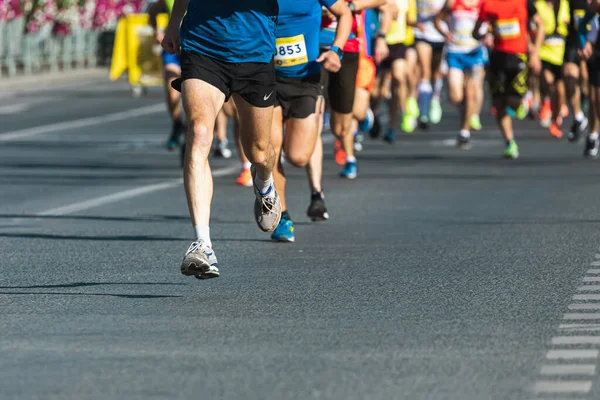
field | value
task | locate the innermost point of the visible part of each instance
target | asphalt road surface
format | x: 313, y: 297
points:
x: 442, y: 274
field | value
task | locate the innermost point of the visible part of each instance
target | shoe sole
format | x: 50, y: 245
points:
x: 319, y: 218
x: 348, y: 176
x: 513, y: 157
x: 284, y: 239
x: 198, y: 268
x: 464, y: 146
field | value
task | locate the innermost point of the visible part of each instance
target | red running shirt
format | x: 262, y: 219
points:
x: 509, y: 21
x: 353, y: 44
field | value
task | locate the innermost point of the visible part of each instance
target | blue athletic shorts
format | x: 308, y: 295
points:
x: 466, y: 61
x: 170, y: 59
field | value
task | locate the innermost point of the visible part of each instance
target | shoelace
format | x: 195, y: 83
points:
x: 267, y: 203
x: 194, y: 247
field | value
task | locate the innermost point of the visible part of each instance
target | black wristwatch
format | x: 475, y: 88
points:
x: 337, y: 51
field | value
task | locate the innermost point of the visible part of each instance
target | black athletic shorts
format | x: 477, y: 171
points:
x: 397, y: 52
x: 557, y: 70
x: 507, y: 74
x: 436, y: 47
x: 254, y: 82
x: 339, y: 87
x: 593, y: 65
x: 298, y: 97
x: 571, y: 53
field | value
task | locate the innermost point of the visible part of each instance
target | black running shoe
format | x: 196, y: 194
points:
x: 375, y: 130
x: 591, y: 147
x: 576, y: 128
x: 462, y: 142
x: 317, y: 211
x: 423, y: 123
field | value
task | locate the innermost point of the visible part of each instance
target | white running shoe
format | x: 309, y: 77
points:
x: 200, y: 261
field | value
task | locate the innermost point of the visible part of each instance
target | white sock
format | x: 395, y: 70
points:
x: 246, y: 165
x: 437, y: 88
x: 351, y: 159
x: 579, y: 116
x: 203, y: 234
x: 594, y: 136
x: 264, y: 187
x: 465, y: 133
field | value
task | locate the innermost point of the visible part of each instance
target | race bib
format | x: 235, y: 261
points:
x: 291, y: 51
x: 464, y: 39
x: 508, y: 28
x: 555, y: 41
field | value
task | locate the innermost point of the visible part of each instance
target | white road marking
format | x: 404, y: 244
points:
x: 14, y: 108
x: 586, y: 297
x: 595, y: 264
x: 558, y: 340
x: 584, y: 306
x: 589, y: 288
x: 479, y: 142
x: 597, y: 255
x: 563, y: 387
x: 580, y: 327
x: 126, y: 194
x: 81, y: 123
x: 571, y: 354
x: 591, y: 279
x: 568, y: 369
x: 581, y: 316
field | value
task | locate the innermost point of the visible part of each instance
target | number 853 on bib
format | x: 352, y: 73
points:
x: 291, y: 51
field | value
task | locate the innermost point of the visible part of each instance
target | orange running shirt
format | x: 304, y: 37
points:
x: 509, y: 21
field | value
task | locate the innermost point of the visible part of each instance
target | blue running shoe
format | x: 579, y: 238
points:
x: 367, y: 124
x: 350, y: 170
x: 285, y: 229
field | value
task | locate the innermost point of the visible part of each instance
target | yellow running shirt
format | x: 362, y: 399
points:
x: 397, y: 31
x: 556, y: 27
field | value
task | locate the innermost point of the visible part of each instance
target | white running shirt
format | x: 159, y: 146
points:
x: 426, y: 12
x: 463, y: 18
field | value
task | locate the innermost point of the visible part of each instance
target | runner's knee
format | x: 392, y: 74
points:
x: 201, y: 135
x: 297, y: 158
x: 258, y: 153
x: 456, y: 96
x: 571, y: 84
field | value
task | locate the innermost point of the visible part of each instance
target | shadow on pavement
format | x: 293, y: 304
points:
x: 126, y: 296
x: 86, y: 284
x: 133, y: 238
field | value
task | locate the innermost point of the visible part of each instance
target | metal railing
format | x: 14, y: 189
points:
x: 31, y: 53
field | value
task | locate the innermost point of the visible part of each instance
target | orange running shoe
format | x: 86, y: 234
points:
x: 546, y: 114
x: 555, y: 130
x: 245, y: 178
x: 564, y: 111
x: 339, y: 153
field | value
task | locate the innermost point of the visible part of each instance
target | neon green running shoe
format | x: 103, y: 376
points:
x: 435, y: 113
x: 511, y: 151
x: 412, y: 107
x: 475, y: 123
x: 409, y: 123
x: 520, y: 113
